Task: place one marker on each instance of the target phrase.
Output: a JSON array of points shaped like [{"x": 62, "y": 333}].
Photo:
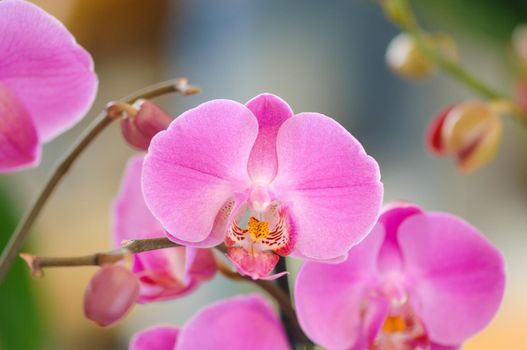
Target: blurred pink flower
[
  {"x": 302, "y": 184},
  {"x": 418, "y": 281},
  {"x": 47, "y": 83},
  {"x": 238, "y": 323},
  {"x": 165, "y": 273}
]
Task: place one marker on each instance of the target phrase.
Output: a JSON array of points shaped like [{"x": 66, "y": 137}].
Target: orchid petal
[
  {"x": 390, "y": 258},
  {"x": 196, "y": 166},
  {"x": 329, "y": 297},
  {"x": 333, "y": 185},
  {"x": 110, "y": 294},
  {"x": 200, "y": 264},
  {"x": 164, "y": 273},
  {"x": 19, "y": 146},
  {"x": 131, "y": 217},
  {"x": 271, "y": 111},
  {"x": 155, "y": 338},
  {"x": 238, "y": 323},
  {"x": 44, "y": 67},
  {"x": 441, "y": 347},
  {"x": 257, "y": 264},
  {"x": 455, "y": 276}
]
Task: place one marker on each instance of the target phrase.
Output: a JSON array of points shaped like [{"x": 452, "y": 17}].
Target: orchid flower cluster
[
  {"x": 468, "y": 131},
  {"x": 259, "y": 183}
]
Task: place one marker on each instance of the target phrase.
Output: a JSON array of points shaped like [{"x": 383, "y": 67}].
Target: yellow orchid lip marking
[
  {"x": 258, "y": 230},
  {"x": 394, "y": 324}
]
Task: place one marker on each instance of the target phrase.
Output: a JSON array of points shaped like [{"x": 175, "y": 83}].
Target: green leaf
[{"x": 20, "y": 324}]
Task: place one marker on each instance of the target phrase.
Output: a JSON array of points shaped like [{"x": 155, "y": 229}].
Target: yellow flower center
[
  {"x": 394, "y": 324},
  {"x": 258, "y": 229}
]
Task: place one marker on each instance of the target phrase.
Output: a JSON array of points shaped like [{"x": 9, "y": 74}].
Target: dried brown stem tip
[{"x": 183, "y": 88}]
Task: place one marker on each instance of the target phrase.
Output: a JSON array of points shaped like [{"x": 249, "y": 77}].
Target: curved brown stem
[
  {"x": 62, "y": 167},
  {"x": 38, "y": 263}
]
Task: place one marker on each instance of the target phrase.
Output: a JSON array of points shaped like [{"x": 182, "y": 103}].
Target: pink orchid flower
[
  {"x": 264, "y": 181},
  {"x": 47, "y": 82},
  {"x": 238, "y": 323},
  {"x": 164, "y": 273},
  {"x": 420, "y": 280},
  {"x": 156, "y": 275}
]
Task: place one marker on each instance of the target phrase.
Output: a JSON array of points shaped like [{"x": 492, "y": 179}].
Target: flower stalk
[
  {"x": 61, "y": 169},
  {"x": 38, "y": 263}
]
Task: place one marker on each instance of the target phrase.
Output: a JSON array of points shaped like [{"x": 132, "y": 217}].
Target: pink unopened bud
[
  {"x": 139, "y": 129},
  {"x": 111, "y": 293},
  {"x": 521, "y": 95},
  {"x": 405, "y": 57},
  {"x": 470, "y": 131}
]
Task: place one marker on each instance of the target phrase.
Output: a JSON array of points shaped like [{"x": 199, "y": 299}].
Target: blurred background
[{"x": 319, "y": 56}]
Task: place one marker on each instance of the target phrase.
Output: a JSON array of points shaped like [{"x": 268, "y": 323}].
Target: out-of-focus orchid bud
[
  {"x": 519, "y": 43},
  {"x": 405, "y": 58},
  {"x": 470, "y": 132},
  {"x": 112, "y": 291},
  {"x": 142, "y": 122},
  {"x": 521, "y": 95}
]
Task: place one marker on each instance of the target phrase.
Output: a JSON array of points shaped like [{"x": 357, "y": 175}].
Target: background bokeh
[{"x": 319, "y": 56}]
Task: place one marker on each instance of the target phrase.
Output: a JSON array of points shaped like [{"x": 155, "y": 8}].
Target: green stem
[{"x": 400, "y": 12}]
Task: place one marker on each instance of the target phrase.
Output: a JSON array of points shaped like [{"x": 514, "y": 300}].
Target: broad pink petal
[
  {"x": 330, "y": 298},
  {"x": 196, "y": 166},
  {"x": 333, "y": 185},
  {"x": 441, "y": 347},
  {"x": 110, "y": 294},
  {"x": 155, "y": 338},
  {"x": 131, "y": 217},
  {"x": 271, "y": 111},
  {"x": 455, "y": 276},
  {"x": 239, "y": 323},
  {"x": 44, "y": 67},
  {"x": 19, "y": 146},
  {"x": 258, "y": 265}
]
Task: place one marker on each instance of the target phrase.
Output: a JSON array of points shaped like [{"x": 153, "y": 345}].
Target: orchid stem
[
  {"x": 38, "y": 263},
  {"x": 96, "y": 127},
  {"x": 293, "y": 330}
]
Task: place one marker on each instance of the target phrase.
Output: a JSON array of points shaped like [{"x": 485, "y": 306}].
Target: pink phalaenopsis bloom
[
  {"x": 238, "y": 323},
  {"x": 163, "y": 273},
  {"x": 159, "y": 274},
  {"x": 47, "y": 82},
  {"x": 262, "y": 180},
  {"x": 420, "y": 280}
]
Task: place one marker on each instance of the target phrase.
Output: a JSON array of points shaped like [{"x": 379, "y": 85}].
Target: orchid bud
[
  {"x": 521, "y": 95},
  {"x": 139, "y": 129},
  {"x": 111, "y": 293},
  {"x": 405, "y": 58},
  {"x": 470, "y": 131},
  {"x": 519, "y": 43}
]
